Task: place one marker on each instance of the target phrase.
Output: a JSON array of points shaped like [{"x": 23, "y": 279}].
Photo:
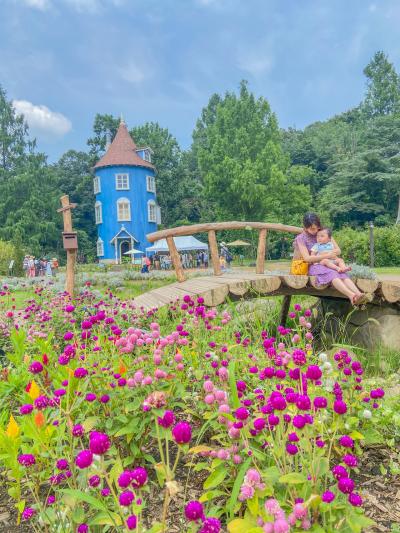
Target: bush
[
  {"x": 355, "y": 245},
  {"x": 7, "y": 253}
]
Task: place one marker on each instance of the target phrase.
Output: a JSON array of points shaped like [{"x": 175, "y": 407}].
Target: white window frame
[
  {"x": 100, "y": 247},
  {"x": 158, "y": 214},
  {"x": 98, "y": 212},
  {"x": 151, "y": 183},
  {"x": 122, "y": 182},
  {"x": 152, "y": 211},
  {"x": 126, "y": 217},
  {"x": 96, "y": 185},
  {"x": 147, "y": 155}
]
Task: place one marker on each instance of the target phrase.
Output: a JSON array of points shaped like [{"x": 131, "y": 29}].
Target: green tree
[
  {"x": 383, "y": 87},
  {"x": 243, "y": 167},
  {"x": 104, "y": 130}
]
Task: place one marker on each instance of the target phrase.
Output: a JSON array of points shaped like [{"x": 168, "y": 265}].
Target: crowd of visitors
[
  {"x": 34, "y": 267},
  {"x": 164, "y": 261}
]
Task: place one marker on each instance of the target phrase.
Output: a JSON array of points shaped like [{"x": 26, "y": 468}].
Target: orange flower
[
  {"x": 39, "y": 419},
  {"x": 122, "y": 368}
]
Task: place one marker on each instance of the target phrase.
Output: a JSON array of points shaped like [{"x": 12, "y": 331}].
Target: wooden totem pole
[{"x": 70, "y": 242}]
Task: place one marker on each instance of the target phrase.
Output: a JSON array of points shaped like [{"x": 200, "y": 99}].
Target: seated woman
[{"x": 303, "y": 244}]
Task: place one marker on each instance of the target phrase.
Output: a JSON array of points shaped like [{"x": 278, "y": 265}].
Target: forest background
[{"x": 240, "y": 166}]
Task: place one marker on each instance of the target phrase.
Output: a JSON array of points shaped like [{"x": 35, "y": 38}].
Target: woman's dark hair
[{"x": 310, "y": 219}]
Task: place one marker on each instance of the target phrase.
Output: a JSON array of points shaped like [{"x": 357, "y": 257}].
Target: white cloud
[
  {"x": 41, "y": 120},
  {"x": 132, "y": 73},
  {"x": 42, "y": 5},
  {"x": 255, "y": 65}
]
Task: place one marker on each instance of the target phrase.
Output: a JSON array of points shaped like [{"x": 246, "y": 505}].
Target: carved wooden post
[
  {"x": 285, "y": 309},
  {"x": 262, "y": 245},
  {"x": 212, "y": 241},
  {"x": 176, "y": 260},
  {"x": 70, "y": 243}
]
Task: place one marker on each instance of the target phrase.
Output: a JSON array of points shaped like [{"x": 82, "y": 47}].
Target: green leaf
[
  {"x": 252, "y": 505},
  {"x": 358, "y": 522},
  {"x": 293, "y": 478},
  {"x": 236, "y": 486},
  {"x": 242, "y": 525},
  {"x": 271, "y": 474},
  {"x": 232, "y": 385},
  {"x": 90, "y": 423},
  {"x": 210, "y": 495},
  {"x": 256, "y": 530},
  {"x": 106, "y": 519},
  {"x": 83, "y": 497},
  {"x": 215, "y": 478}
]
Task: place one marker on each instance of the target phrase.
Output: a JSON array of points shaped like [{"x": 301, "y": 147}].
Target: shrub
[{"x": 7, "y": 253}]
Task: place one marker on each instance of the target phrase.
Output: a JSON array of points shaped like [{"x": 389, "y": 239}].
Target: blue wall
[{"x": 138, "y": 195}]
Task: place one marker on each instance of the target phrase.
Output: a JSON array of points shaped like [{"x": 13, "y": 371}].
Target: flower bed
[{"x": 107, "y": 405}]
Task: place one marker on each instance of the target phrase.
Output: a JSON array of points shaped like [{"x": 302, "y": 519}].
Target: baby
[{"x": 324, "y": 244}]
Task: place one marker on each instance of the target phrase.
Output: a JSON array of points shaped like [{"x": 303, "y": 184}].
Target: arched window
[
  {"x": 152, "y": 211},
  {"x": 100, "y": 247},
  {"x": 151, "y": 183},
  {"x": 123, "y": 210},
  {"x": 98, "y": 213}
]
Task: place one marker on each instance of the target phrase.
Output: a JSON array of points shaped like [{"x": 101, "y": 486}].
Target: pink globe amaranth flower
[
  {"x": 306, "y": 523},
  {"x": 355, "y": 499},
  {"x": 131, "y": 522},
  {"x": 26, "y": 409},
  {"x": 26, "y": 459},
  {"x": 78, "y": 430},
  {"x": 291, "y": 449},
  {"x": 350, "y": 460},
  {"x": 299, "y": 511},
  {"x": 84, "y": 459},
  {"x": 80, "y": 372},
  {"x": 35, "y": 367},
  {"x": 126, "y": 498},
  {"x": 82, "y": 528},
  {"x": 273, "y": 420},
  {"x": 27, "y": 513},
  {"x": 328, "y": 496},
  {"x": 194, "y": 511},
  {"x": 94, "y": 481},
  {"x": 346, "y": 441},
  {"x": 253, "y": 476},
  {"x": 268, "y": 527},
  {"x": 346, "y": 485},
  {"x": 210, "y": 525},
  {"x": 125, "y": 479},
  {"x": 139, "y": 476},
  {"x": 182, "y": 433},
  {"x": 99, "y": 443},
  {"x": 272, "y": 506},
  {"x": 281, "y": 526},
  {"x": 339, "y": 407},
  {"x": 313, "y": 372},
  {"x": 246, "y": 492},
  {"x": 339, "y": 471},
  {"x": 62, "y": 464}
]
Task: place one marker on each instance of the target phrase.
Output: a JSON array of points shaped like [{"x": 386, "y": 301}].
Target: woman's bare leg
[
  {"x": 344, "y": 289},
  {"x": 352, "y": 286}
]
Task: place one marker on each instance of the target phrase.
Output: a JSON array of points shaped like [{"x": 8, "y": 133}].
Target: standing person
[
  {"x": 25, "y": 265},
  {"x": 49, "y": 273},
  {"x": 205, "y": 259},
  {"x": 31, "y": 265},
  {"x": 304, "y": 263},
  {"x": 145, "y": 268},
  {"x": 54, "y": 265}
]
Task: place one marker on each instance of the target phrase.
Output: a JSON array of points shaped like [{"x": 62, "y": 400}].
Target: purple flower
[
  {"x": 126, "y": 498},
  {"x": 328, "y": 496},
  {"x": 339, "y": 471},
  {"x": 26, "y": 409},
  {"x": 339, "y": 407},
  {"x": 303, "y": 402},
  {"x": 90, "y": 397},
  {"x": 293, "y": 437},
  {"x": 299, "y": 421},
  {"x": 346, "y": 441},
  {"x": 210, "y": 525},
  {"x": 69, "y": 308},
  {"x": 313, "y": 372},
  {"x": 299, "y": 357},
  {"x": 259, "y": 424},
  {"x": 99, "y": 443},
  {"x": 27, "y": 513},
  {"x": 41, "y": 402},
  {"x": 182, "y": 432},
  {"x": 35, "y": 367},
  {"x": 125, "y": 479},
  {"x": 26, "y": 459},
  {"x": 377, "y": 393},
  {"x": 320, "y": 402},
  {"x": 167, "y": 419},
  {"x": 355, "y": 499},
  {"x": 242, "y": 413},
  {"x": 84, "y": 459},
  {"x": 194, "y": 510},
  {"x": 78, "y": 430},
  {"x": 80, "y": 372},
  {"x": 62, "y": 464},
  {"x": 68, "y": 335},
  {"x": 139, "y": 476},
  {"x": 105, "y": 398},
  {"x": 59, "y": 392},
  {"x": 350, "y": 460},
  {"x": 82, "y": 528},
  {"x": 50, "y": 500},
  {"x": 291, "y": 449},
  {"x": 131, "y": 522},
  {"x": 346, "y": 485},
  {"x": 105, "y": 492},
  {"x": 278, "y": 402},
  {"x": 94, "y": 481}
]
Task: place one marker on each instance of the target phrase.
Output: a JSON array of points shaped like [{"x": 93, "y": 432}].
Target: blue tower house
[{"x": 126, "y": 206}]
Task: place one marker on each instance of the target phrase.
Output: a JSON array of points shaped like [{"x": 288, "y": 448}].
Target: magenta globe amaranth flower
[
  {"x": 194, "y": 510},
  {"x": 346, "y": 485},
  {"x": 94, "y": 481},
  {"x": 78, "y": 430},
  {"x": 346, "y": 441},
  {"x": 82, "y": 528},
  {"x": 313, "y": 372},
  {"x": 350, "y": 460},
  {"x": 27, "y": 513},
  {"x": 99, "y": 443},
  {"x": 355, "y": 499},
  {"x": 26, "y": 409},
  {"x": 291, "y": 449},
  {"x": 35, "y": 367},
  {"x": 131, "y": 522},
  {"x": 328, "y": 496},
  {"x": 167, "y": 419},
  {"x": 26, "y": 459},
  {"x": 182, "y": 432},
  {"x": 80, "y": 372},
  {"x": 210, "y": 525},
  {"x": 138, "y": 477},
  {"x": 339, "y": 471},
  {"x": 62, "y": 464},
  {"x": 339, "y": 407},
  {"x": 84, "y": 459},
  {"x": 126, "y": 498},
  {"x": 242, "y": 413}
]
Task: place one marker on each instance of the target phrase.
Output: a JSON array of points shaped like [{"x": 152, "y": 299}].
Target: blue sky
[{"x": 62, "y": 61}]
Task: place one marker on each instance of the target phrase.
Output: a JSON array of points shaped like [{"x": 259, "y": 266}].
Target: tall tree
[
  {"x": 245, "y": 172},
  {"x": 104, "y": 130},
  {"x": 383, "y": 87}
]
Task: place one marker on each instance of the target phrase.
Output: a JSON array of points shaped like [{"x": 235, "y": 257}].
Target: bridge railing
[{"x": 211, "y": 229}]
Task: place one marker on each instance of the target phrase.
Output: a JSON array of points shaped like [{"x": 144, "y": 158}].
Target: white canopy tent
[
  {"x": 133, "y": 252},
  {"x": 182, "y": 244}
]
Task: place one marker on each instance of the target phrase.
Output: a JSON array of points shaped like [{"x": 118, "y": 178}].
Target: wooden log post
[
  {"x": 212, "y": 241},
  {"x": 262, "y": 245},
  {"x": 71, "y": 252},
  {"x": 285, "y": 309},
  {"x": 176, "y": 260}
]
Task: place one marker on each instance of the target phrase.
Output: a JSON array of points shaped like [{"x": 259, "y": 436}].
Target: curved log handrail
[{"x": 211, "y": 228}]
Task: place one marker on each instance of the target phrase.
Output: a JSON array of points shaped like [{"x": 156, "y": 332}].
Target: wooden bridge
[{"x": 238, "y": 284}]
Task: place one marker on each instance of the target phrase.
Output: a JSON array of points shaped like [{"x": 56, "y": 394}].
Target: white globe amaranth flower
[
  {"x": 366, "y": 414},
  {"x": 326, "y": 367},
  {"x": 323, "y": 357}
]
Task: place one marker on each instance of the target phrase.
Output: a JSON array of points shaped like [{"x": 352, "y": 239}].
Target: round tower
[{"x": 126, "y": 206}]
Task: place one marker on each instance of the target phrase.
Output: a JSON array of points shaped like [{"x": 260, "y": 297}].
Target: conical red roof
[{"x": 122, "y": 151}]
